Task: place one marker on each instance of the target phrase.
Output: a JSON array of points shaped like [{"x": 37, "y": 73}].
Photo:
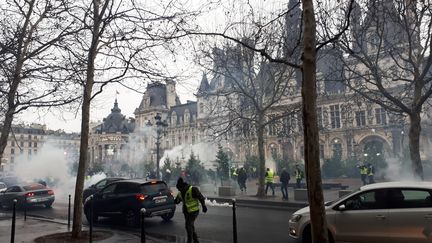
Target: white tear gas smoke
[
  {"x": 214, "y": 203},
  {"x": 135, "y": 153},
  {"x": 396, "y": 170},
  {"x": 270, "y": 163},
  {"x": 94, "y": 179},
  {"x": 206, "y": 152},
  {"x": 50, "y": 164}
]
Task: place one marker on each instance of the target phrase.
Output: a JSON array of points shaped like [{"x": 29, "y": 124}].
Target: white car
[
  {"x": 3, "y": 187},
  {"x": 388, "y": 212}
]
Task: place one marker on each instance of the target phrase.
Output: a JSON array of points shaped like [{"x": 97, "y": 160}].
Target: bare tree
[
  {"x": 246, "y": 98},
  {"x": 121, "y": 42},
  {"x": 390, "y": 61},
  {"x": 305, "y": 43},
  {"x": 32, "y": 70}
]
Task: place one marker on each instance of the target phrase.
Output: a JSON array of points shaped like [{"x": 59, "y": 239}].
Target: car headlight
[{"x": 296, "y": 217}]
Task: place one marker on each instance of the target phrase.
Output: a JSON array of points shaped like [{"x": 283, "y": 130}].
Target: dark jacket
[
  {"x": 242, "y": 176},
  {"x": 284, "y": 177}
]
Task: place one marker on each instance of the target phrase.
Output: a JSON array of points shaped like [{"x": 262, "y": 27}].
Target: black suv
[
  {"x": 128, "y": 197},
  {"x": 99, "y": 185}
]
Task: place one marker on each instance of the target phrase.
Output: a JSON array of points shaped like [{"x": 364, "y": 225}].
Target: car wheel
[
  {"x": 87, "y": 214},
  {"x": 168, "y": 216},
  {"x": 307, "y": 235},
  {"x": 330, "y": 236},
  {"x": 131, "y": 217}
]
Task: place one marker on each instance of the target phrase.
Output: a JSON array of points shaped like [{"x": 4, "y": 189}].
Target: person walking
[
  {"x": 363, "y": 173},
  {"x": 241, "y": 179},
  {"x": 269, "y": 181},
  {"x": 299, "y": 175},
  {"x": 370, "y": 173},
  {"x": 191, "y": 198},
  {"x": 284, "y": 179}
]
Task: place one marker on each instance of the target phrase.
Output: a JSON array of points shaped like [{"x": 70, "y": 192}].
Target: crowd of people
[
  {"x": 241, "y": 176},
  {"x": 367, "y": 172}
]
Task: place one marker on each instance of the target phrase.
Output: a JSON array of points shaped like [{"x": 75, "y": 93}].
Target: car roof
[
  {"x": 394, "y": 184},
  {"x": 139, "y": 181}
]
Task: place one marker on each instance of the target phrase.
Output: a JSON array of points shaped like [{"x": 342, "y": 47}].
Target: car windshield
[
  {"x": 153, "y": 188},
  {"x": 33, "y": 187}
]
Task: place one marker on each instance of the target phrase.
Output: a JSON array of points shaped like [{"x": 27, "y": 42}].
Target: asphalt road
[{"x": 253, "y": 224}]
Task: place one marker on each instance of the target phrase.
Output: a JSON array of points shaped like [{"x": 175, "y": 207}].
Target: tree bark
[
  {"x": 16, "y": 80},
  {"x": 311, "y": 133},
  {"x": 414, "y": 144},
  {"x": 261, "y": 156},
  {"x": 79, "y": 185}
]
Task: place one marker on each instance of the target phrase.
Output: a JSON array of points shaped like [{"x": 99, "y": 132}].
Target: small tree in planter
[
  {"x": 195, "y": 170},
  {"x": 222, "y": 161}
]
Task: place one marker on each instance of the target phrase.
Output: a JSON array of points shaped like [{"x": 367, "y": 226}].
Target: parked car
[
  {"x": 127, "y": 197},
  {"x": 3, "y": 187},
  {"x": 27, "y": 194},
  {"x": 92, "y": 189},
  {"x": 396, "y": 212}
]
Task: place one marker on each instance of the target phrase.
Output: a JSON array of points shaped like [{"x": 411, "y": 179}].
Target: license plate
[{"x": 161, "y": 200}]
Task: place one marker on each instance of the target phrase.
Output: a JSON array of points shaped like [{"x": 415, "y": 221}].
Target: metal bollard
[
  {"x": 13, "y": 221},
  {"x": 234, "y": 221},
  {"x": 69, "y": 211},
  {"x": 143, "y": 211},
  {"x": 91, "y": 219},
  {"x": 25, "y": 211}
]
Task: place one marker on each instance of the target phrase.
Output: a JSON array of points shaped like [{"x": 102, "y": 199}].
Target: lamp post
[{"x": 160, "y": 132}]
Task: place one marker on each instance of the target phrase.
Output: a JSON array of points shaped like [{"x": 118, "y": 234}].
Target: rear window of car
[
  {"x": 153, "y": 188},
  {"x": 33, "y": 187}
]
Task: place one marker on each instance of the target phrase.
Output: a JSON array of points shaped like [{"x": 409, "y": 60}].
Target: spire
[
  {"x": 293, "y": 29},
  {"x": 204, "y": 85},
  {"x": 115, "y": 109},
  {"x": 384, "y": 15},
  {"x": 356, "y": 26}
]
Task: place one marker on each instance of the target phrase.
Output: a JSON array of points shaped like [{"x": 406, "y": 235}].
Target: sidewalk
[{"x": 32, "y": 228}]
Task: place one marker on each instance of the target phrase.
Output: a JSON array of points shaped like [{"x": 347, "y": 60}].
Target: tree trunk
[
  {"x": 414, "y": 144},
  {"x": 261, "y": 157},
  {"x": 311, "y": 132},
  {"x": 7, "y": 124},
  {"x": 79, "y": 185}
]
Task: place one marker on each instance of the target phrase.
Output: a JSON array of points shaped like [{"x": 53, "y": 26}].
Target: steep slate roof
[
  {"x": 180, "y": 111},
  {"x": 156, "y": 93},
  {"x": 115, "y": 122},
  {"x": 204, "y": 85}
]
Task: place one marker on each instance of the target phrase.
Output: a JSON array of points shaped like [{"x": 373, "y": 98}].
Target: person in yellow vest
[
  {"x": 363, "y": 173},
  {"x": 269, "y": 180},
  {"x": 299, "y": 175},
  {"x": 191, "y": 198}
]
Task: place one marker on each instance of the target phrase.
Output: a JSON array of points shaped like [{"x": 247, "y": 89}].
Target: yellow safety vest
[
  {"x": 370, "y": 171},
  {"x": 364, "y": 171},
  {"x": 298, "y": 174},
  {"x": 192, "y": 204},
  {"x": 269, "y": 177}
]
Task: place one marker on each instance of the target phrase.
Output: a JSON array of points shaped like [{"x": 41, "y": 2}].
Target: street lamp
[{"x": 160, "y": 132}]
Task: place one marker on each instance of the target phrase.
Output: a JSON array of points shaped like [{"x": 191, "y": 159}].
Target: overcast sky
[
  {"x": 190, "y": 74},
  {"x": 129, "y": 100}
]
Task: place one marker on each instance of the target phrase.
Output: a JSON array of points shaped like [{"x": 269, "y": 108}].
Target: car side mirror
[{"x": 341, "y": 207}]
